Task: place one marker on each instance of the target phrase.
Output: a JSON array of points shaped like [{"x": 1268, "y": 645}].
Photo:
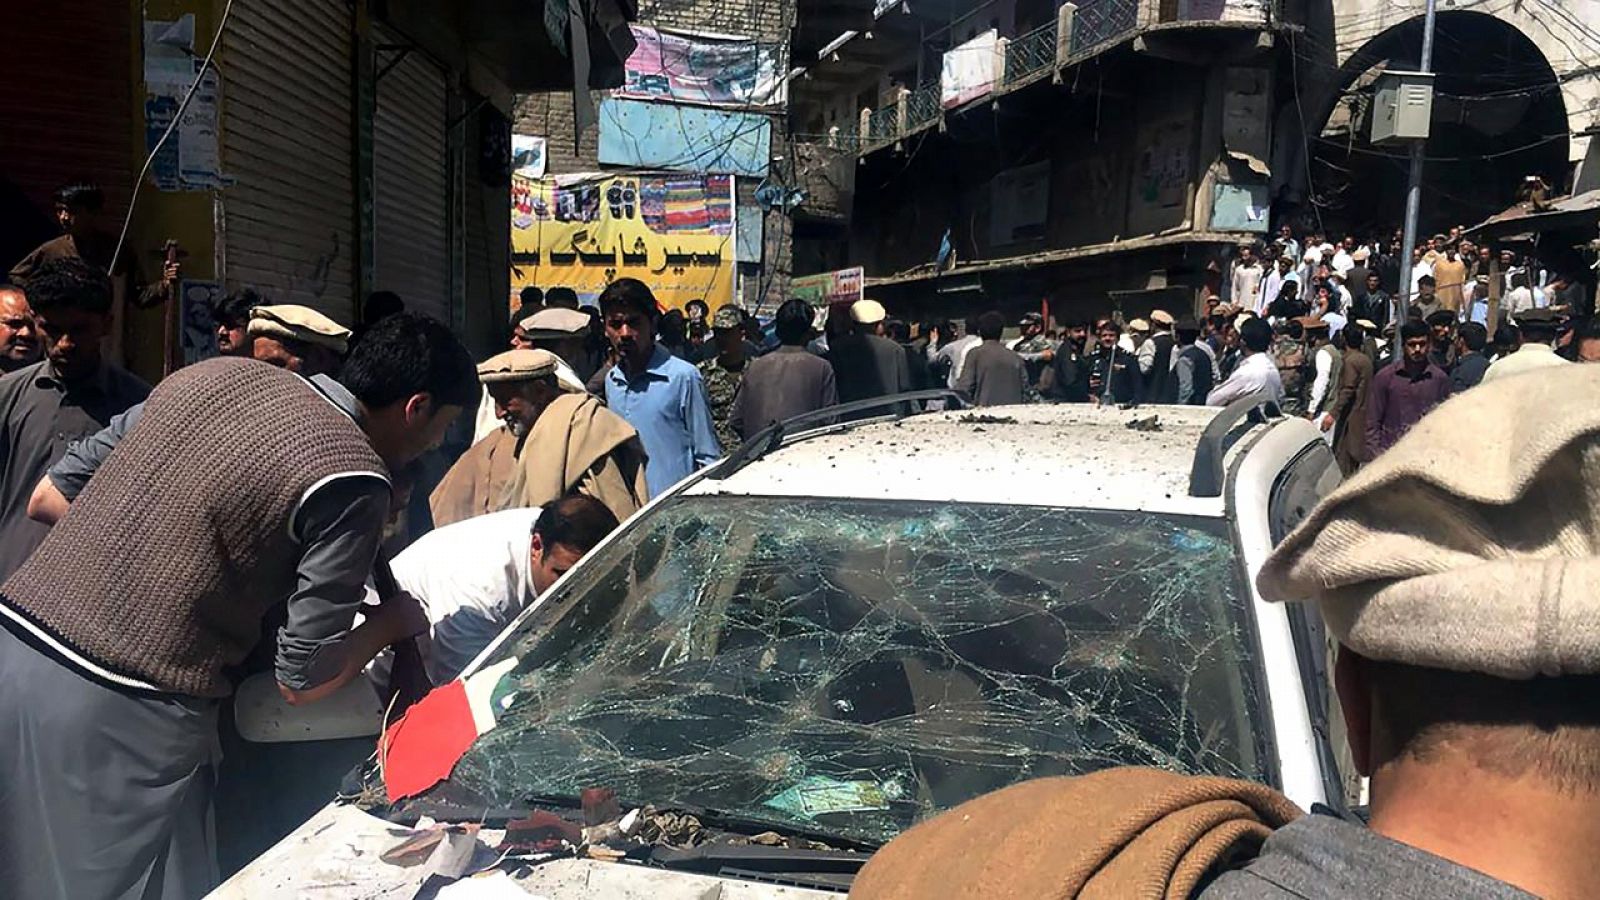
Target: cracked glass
[{"x": 852, "y": 667}]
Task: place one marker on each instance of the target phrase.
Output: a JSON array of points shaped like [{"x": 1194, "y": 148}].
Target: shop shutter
[
  {"x": 68, "y": 108},
  {"x": 411, "y": 235},
  {"x": 289, "y": 216}
]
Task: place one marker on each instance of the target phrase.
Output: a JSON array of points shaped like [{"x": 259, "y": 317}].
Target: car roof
[{"x": 1063, "y": 455}]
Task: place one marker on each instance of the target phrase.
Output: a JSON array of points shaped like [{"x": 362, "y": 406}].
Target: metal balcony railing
[
  {"x": 922, "y": 106},
  {"x": 1030, "y": 54},
  {"x": 883, "y": 124},
  {"x": 1099, "y": 21}
]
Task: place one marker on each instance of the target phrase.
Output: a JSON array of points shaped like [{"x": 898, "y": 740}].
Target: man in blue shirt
[{"x": 660, "y": 395}]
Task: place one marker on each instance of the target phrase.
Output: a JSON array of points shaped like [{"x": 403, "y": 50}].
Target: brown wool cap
[
  {"x": 555, "y": 324},
  {"x": 298, "y": 323},
  {"x": 519, "y": 365},
  {"x": 1472, "y": 544}
]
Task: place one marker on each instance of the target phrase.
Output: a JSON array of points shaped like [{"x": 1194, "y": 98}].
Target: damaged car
[{"x": 844, "y": 628}]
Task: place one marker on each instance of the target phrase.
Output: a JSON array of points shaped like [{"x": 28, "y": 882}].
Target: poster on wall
[
  {"x": 528, "y": 155},
  {"x": 189, "y": 160},
  {"x": 828, "y": 288},
  {"x": 687, "y": 68},
  {"x": 676, "y": 233},
  {"x": 1161, "y": 174},
  {"x": 643, "y": 135},
  {"x": 196, "y": 300},
  {"x": 970, "y": 71}
]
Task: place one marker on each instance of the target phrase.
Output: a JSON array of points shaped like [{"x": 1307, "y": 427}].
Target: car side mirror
[{"x": 262, "y": 716}]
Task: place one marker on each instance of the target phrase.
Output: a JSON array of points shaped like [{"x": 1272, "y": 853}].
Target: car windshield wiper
[{"x": 823, "y": 869}]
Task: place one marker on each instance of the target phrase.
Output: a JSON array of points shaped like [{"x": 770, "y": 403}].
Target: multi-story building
[{"x": 1112, "y": 154}]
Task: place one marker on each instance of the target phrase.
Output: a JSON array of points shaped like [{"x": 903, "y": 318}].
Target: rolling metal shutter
[
  {"x": 288, "y": 143},
  {"x": 411, "y": 236},
  {"x": 68, "y": 107}
]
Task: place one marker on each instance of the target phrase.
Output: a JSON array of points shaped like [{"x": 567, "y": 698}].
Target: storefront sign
[
  {"x": 828, "y": 288},
  {"x": 673, "y": 232}
]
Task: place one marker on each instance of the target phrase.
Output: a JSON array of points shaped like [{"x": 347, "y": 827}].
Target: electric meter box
[{"x": 1402, "y": 107}]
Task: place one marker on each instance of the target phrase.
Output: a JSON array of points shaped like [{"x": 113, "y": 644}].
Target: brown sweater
[{"x": 164, "y": 566}]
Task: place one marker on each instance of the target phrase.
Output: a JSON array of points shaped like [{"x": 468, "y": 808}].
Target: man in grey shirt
[
  {"x": 993, "y": 375},
  {"x": 69, "y": 395},
  {"x": 787, "y": 382}
]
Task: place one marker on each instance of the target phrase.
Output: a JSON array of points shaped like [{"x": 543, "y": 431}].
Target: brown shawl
[
  {"x": 1113, "y": 834},
  {"x": 478, "y": 482},
  {"x": 579, "y": 445}
]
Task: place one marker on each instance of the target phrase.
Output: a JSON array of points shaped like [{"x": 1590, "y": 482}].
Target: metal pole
[{"x": 1408, "y": 241}]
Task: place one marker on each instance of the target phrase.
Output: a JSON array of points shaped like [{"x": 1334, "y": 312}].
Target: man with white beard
[{"x": 557, "y": 440}]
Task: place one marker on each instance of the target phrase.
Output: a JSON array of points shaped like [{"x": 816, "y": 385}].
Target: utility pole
[{"x": 1408, "y": 241}]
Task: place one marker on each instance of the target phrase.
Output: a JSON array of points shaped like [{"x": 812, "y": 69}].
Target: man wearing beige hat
[
  {"x": 557, "y": 439},
  {"x": 1459, "y": 577},
  {"x": 555, "y": 329},
  {"x": 297, "y": 338},
  {"x": 865, "y": 363},
  {"x": 1155, "y": 360}
]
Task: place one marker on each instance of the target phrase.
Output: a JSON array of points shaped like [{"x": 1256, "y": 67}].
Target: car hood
[{"x": 336, "y": 854}]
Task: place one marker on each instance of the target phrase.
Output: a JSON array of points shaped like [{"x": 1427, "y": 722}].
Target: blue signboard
[{"x": 646, "y": 135}]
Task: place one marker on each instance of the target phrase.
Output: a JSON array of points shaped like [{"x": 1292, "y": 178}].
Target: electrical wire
[
  {"x": 1305, "y": 137},
  {"x": 138, "y": 183}
]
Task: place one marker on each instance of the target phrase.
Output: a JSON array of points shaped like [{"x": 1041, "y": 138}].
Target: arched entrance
[{"x": 1498, "y": 116}]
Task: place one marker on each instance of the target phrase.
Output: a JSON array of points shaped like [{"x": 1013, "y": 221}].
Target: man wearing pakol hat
[
  {"x": 558, "y": 330},
  {"x": 724, "y": 370},
  {"x": 288, "y": 336},
  {"x": 297, "y": 338},
  {"x": 865, "y": 363},
  {"x": 1155, "y": 360},
  {"x": 1138, "y": 331},
  {"x": 1457, "y": 573},
  {"x": 1327, "y": 366},
  {"x": 556, "y": 440},
  {"x": 1538, "y": 328}
]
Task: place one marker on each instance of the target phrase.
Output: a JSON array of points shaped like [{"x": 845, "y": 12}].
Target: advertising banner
[
  {"x": 970, "y": 71},
  {"x": 843, "y": 286},
  {"x": 673, "y": 232},
  {"x": 694, "y": 69}
]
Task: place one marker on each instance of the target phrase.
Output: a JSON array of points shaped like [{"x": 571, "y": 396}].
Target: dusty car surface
[{"x": 842, "y": 630}]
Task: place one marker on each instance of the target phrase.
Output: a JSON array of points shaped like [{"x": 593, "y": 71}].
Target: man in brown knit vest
[{"x": 117, "y": 630}]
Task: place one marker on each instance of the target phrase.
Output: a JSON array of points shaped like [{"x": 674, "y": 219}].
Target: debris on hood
[
  {"x": 670, "y": 828},
  {"x": 1144, "y": 423},
  {"x": 986, "y": 419}
]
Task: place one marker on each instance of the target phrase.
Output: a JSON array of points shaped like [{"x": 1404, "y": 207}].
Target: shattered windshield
[{"x": 850, "y": 668}]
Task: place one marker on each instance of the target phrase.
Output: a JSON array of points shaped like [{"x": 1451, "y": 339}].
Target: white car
[{"x": 838, "y": 632}]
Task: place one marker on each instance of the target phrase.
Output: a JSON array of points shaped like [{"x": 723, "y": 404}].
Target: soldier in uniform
[
  {"x": 1037, "y": 352},
  {"x": 725, "y": 371}
]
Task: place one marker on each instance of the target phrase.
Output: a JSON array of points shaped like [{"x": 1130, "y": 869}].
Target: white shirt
[
  {"x": 1519, "y": 300},
  {"x": 472, "y": 578},
  {"x": 1527, "y": 358},
  {"x": 1255, "y": 374},
  {"x": 1247, "y": 284},
  {"x": 1336, "y": 322},
  {"x": 1342, "y": 262},
  {"x": 1323, "y": 361},
  {"x": 956, "y": 352},
  {"x": 1417, "y": 271}
]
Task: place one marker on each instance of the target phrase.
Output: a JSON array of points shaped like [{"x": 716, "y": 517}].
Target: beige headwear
[
  {"x": 1472, "y": 544},
  {"x": 520, "y": 365},
  {"x": 868, "y": 312},
  {"x": 1161, "y": 317},
  {"x": 293, "y": 322},
  {"x": 554, "y": 323},
  {"x": 1139, "y": 325}
]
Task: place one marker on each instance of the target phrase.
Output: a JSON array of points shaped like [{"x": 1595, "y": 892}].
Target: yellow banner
[{"x": 675, "y": 233}]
